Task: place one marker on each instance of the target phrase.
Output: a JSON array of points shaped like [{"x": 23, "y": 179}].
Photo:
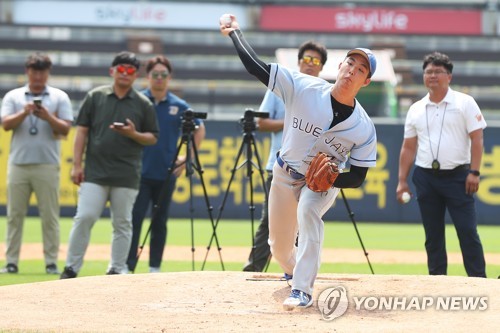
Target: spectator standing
[
  {"x": 115, "y": 122},
  {"x": 156, "y": 161},
  {"x": 312, "y": 57},
  {"x": 37, "y": 114},
  {"x": 444, "y": 137}
]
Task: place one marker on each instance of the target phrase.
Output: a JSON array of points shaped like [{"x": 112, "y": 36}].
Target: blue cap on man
[{"x": 369, "y": 56}]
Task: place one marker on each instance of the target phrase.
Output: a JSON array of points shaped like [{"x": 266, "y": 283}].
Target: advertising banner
[
  {"x": 132, "y": 14},
  {"x": 372, "y": 20},
  {"x": 374, "y": 201}
]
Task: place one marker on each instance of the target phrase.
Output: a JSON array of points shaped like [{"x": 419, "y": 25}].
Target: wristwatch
[{"x": 475, "y": 172}]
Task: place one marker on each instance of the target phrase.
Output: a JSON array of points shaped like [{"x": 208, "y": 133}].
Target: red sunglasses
[{"x": 125, "y": 69}]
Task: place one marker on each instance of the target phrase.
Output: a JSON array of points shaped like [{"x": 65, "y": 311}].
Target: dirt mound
[{"x": 239, "y": 301}]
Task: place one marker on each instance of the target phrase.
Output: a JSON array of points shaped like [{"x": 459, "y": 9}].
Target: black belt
[
  {"x": 294, "y": 174},
  {"x": 447, "y": 172}
]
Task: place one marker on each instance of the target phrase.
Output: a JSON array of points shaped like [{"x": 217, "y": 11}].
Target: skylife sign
[
  {"x": 133, "y": 14},
  {"x": 374, "y": 20}
]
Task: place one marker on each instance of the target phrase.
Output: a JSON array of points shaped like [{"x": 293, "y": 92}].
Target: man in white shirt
[
  {"x": 444, "y": 137},
  {"x": 38, "y": 115}
]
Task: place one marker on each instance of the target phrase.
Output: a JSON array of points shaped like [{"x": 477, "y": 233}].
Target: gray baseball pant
[{"x": 91, "y": 202}]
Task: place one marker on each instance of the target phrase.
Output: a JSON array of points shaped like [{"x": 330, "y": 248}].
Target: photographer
[
  {"x": 37, "y": 114},
  {"x": 156, "y": 160}
]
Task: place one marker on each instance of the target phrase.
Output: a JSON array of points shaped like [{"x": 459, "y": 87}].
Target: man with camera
[
  {"x": 38, "y": 115},
  {"x": 157, "y": 181}
]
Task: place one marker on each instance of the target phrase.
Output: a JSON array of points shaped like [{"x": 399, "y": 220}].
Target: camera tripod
[
  {"x": 351, "y": 215},
  {"x": 247, "y": 144},
  {"x": 188, "y": 127}
]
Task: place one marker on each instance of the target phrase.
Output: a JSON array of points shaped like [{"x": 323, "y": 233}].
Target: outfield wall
[{"x": 374, "y": 201}]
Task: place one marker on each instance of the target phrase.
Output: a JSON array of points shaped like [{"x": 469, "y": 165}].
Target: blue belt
[{"x": 294, "y": 174}]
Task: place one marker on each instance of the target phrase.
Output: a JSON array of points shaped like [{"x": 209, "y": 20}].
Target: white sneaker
[
  {"x": 297, "y": 299},
  {"x": 154, "y": 270}
]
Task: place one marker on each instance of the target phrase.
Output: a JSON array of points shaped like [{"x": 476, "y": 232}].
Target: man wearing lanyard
[
  {"x": 444, "y": 137},
  {"x": 38, "y": 116}
]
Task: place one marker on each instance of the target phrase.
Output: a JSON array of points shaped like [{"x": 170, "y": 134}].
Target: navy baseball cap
[{"x": 369, "y": 56}]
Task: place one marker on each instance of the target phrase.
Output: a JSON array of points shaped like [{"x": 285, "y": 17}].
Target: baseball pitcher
[{"x": 324, "y": 128}]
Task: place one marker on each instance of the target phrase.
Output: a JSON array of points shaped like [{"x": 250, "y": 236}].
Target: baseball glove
[{"x": 321, "y": 173}]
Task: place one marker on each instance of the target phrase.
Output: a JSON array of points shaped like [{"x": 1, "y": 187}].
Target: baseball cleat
[{"x": 297, "y": 299}]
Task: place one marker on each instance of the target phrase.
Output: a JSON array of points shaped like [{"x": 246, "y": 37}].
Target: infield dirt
[{"x": 233, "y": 302}]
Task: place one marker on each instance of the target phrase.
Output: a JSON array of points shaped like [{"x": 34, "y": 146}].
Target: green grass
[{"x": 380, "y": 236}]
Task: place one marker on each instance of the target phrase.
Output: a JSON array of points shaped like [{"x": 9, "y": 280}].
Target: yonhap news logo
[
  {"x": 416, "y": 303},
  {"x": 333, "y": 303}
]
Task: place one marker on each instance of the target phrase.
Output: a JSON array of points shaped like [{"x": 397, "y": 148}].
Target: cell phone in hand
[
  {"x": 118, "y": 124},
  {"x": 37, "y": 102}
]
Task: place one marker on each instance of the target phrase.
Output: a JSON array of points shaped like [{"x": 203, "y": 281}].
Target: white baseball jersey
[{"x": 306, "y": 133}]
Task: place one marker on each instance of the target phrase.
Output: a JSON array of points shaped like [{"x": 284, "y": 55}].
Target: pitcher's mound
[{"x": 251, "y": 302}]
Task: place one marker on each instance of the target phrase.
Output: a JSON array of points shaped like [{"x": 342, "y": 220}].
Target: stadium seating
[{"x": 209, "y": 75}]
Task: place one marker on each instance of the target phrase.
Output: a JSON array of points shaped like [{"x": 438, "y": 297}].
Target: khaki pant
[{"x": 22, "y": 181}]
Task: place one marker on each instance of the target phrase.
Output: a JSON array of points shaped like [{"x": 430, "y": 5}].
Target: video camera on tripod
[
  {"x": 247, "y": 122},
  {"x": 188, "y": 117},
  {"x": 192, "y": 164},
  {"x": 249, "y": 149}
]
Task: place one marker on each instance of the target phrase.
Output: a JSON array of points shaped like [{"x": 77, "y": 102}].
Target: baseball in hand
[
  {"x": 226, "y": 20},
  {"x": 406, "y": 197}
]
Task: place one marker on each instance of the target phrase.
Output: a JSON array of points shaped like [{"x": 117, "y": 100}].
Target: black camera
[
  {"x": 248, "y": 119},
  {"x": 189, "y": 114},
  {"x": 188, "y": 125},
  {"x": 250, "y": 114}
]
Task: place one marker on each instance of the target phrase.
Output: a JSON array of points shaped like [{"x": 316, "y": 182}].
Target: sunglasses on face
[
  {"x": 126, "y": 69},
  {"x": 157, "y": 75},
  {"x": 309, "y": 59}
]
